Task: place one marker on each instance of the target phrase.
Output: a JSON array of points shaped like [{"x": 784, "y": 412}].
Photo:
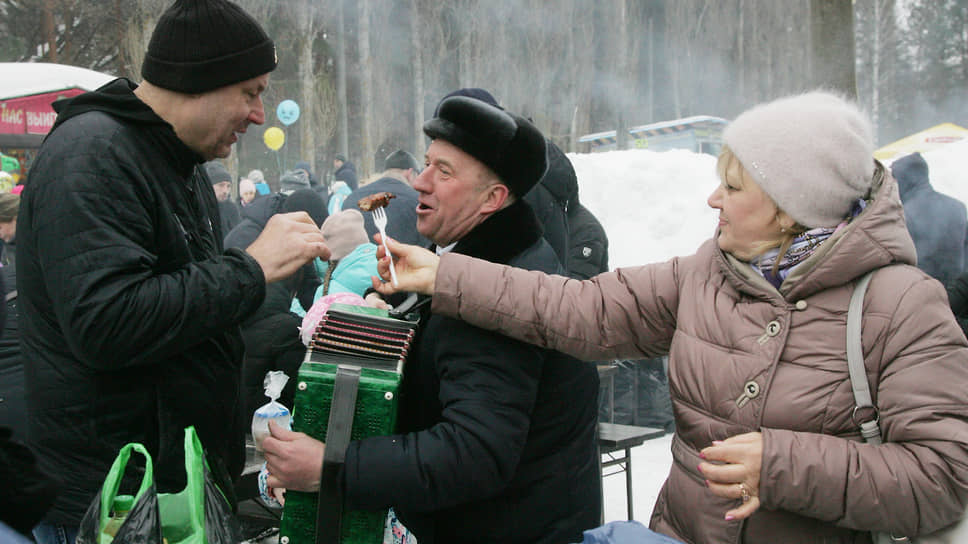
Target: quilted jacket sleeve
[
  {"x": 917, "y": 481},
  {"x": 626, "y": 313},
  {"x": 119, "y": 279}
]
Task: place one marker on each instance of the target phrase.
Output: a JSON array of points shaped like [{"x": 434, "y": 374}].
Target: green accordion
[{"x": 347, "y": 389}]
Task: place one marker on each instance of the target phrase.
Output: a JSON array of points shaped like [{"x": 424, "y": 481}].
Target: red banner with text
[{"x": 31, "y": 114}]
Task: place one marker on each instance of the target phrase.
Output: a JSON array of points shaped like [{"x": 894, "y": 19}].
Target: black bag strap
[{"x": 329, "y": 512}]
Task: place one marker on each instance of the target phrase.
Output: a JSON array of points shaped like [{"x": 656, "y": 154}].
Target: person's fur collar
[{"x": 503, "y": 235}]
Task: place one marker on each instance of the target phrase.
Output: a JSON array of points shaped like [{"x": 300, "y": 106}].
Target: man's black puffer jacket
[
  {"x": 497, "y": 438},
  {"x": 129, "y": 305}
]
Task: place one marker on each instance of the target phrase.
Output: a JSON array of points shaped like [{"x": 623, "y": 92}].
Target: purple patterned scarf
[{"x": 803, "y": 246}]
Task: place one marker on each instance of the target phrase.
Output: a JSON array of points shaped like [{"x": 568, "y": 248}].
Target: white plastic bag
[{"x": 273, "y": 411}]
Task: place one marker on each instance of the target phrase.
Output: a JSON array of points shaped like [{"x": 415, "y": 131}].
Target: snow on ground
[{"x": 650, "y": 466}]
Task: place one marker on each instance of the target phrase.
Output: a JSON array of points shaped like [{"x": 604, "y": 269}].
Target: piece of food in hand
[{"x": 374, "y": 201}]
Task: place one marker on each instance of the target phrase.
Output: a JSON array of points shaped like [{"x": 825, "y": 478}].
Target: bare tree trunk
[
  {"x": 876, "y": 66},
  {"x": 344, "y": 125},
  {"x": 50, "y": 36},
  {"x": 832, "y": 41},
  {"x": 123, "y": 65},
  {"x": 307, "y": 84},
  {"x": 622, "y": 57},
  {"x": 366, "y": 91},
  {"x": 573, "y": 132},
  {"x": 136, "y": 29},
  {"x": 650, "y": 103},
  {"x": 770, "y": 91},
  {"x": 740, "y": 59},
  {"x": 675, "y": 40},
  {"x": 416, "y": 49}
]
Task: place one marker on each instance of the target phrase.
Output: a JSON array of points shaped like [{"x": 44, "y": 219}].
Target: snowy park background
[{"x": 653, "y": 207}]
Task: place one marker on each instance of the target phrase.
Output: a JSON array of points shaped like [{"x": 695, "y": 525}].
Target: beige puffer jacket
[{"x": 746, "y": 357}]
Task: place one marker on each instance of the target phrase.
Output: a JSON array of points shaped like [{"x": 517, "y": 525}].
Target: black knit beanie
[
  {"x": 508, "y": 144},
  {"x": 402, "y": 160},
  {"x": 217, "y": 172},
  {"x": 201, "y": 45},
  {"x": 309, "y": 201}
]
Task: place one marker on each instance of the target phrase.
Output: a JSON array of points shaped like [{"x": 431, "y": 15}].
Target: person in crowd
[
  {"x": 131, "y": 305},
  {"x": 228, "y": 211},
  {"x": 381, "y": 153},
  {"x": 337, "y": 197},
  {"x": 352, "y": 259},
  {"x": 221, "y": 180},
  {"x": 549, "y": 198},
  {"x": 9, "y": 209},
  {"x": 588, "y": 249},
  {"x": 256, "y": 176},
  {"x": 246, "y": 193},
  {"x": 304, "y": 166},
  {"x": 958, "y": 300},
  {"x": 271, "y": 332},
  {"x": 938, "y": 223},
  {"x": 293, "y": 180},
  {"x": 13, "y": 412},
  {"x": 321, "y": 188},
  {"x": 767, "y": 448},
  {"x": 259, "y": 180},
  {"x": 497, "y": 439},
  {"x": 401, "y": 169},
  {"x": 29, "y": 492},
  {"x": 345, "y": 171}
]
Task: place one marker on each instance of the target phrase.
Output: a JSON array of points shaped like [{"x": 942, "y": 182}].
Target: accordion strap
[{"x": 329, "y": 511}]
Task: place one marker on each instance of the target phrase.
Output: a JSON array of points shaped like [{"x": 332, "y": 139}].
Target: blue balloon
[{"x": 287, "y": 112}]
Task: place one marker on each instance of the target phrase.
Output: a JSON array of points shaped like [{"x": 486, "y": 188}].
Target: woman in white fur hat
[{"x": 767, "y": 446}]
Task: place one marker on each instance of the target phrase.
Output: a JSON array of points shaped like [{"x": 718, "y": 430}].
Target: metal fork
[{"x": 380, "y": 219}]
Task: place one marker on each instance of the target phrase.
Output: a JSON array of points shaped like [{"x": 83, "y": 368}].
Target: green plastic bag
[{"x": 198, "y": 514}]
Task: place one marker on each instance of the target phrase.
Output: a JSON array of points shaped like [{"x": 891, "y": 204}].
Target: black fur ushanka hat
[{"x": 508, "y": 144}]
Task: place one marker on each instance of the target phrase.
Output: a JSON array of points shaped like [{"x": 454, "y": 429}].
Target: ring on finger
[{"x": 744, "y": 493}]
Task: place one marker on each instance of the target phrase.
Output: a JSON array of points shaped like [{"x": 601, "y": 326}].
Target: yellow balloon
[{"x": 274, "y": 137}]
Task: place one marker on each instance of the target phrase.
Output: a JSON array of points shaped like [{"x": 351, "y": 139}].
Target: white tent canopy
[{"x": 29, "y": 78}]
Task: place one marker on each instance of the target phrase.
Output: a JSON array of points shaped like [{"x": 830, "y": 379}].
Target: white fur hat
[{"x": 812, "y": 153}]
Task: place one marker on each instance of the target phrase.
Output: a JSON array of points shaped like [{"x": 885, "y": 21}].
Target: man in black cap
[
  {"x": 130, "y": 304},
  {"x": 550, "y": 198},
  {"x": 345, "y": 171},
  {"x": 497, "y": 439},
  {"x": 401, "y": 169},
  {"x": 221, "y": 180}
]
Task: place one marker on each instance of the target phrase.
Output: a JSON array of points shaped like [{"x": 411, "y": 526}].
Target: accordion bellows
[{"x": 368, "y": 342}]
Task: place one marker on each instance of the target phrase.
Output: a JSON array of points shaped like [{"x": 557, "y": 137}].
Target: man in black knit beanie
[{"x": 131, "y": 303}]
